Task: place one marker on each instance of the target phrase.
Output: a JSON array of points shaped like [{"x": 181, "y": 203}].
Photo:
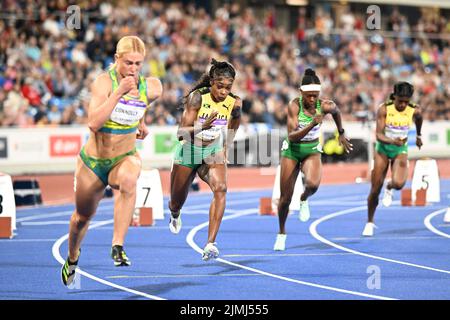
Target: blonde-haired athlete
[{"x": 118, "y": 103}]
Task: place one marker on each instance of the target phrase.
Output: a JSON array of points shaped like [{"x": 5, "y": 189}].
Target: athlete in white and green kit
[{"x": 301, "y": 149}]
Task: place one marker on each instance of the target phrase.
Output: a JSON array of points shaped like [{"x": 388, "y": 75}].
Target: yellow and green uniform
[
  {"x": 192, "y": 156},
  {"x": 124, "y": 119},
  {"x": 309, "y": 143},
  {"x": 397, "y": 126}
]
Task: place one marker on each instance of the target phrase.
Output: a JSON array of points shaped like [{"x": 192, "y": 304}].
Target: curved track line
[
  {"x": 427, "y": 222},
  {"x": 315, "y": 234},
  {"x": 190, "y": 241},
  {"x": 57, "y": 256}
]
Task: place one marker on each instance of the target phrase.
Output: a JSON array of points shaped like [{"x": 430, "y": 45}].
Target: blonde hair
[{"x": 129, "y": 44}]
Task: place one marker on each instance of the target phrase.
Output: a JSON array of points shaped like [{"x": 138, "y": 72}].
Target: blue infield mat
[{"x": 325, "y": 258}]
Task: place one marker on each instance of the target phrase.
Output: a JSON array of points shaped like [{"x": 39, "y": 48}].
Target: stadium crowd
[{"x": 46, "y": 65}]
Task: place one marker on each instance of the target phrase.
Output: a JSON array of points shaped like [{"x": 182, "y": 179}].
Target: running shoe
[
  {"x": 368, "y": 229},
  {"x": 68, "y": 271},
  {"x": 210, "y": 251},
  {"x": 280, "y": 242},
  {"x": 119, "y": 256},
  {"x": 304, "y": 211},
  {"x": 387, "y": 198},
  {"x": 175, "y": 223}
]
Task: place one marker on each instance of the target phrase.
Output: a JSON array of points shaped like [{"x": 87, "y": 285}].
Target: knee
[
  {"x": 80, "y": 218},
  {"x": 312, "y": 186},
  {"x": 284, "y": 202},
  {"x": 219, "y": 188},
  {"x": 397, "y": 185},
  {"x": 128, "y": 184}
]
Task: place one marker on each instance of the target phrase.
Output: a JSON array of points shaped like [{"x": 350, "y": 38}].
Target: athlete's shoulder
[
  {"x": 234, "y": 96},
  {"x": 413, "y": 105},
  {"x": 102, "y": 83},
  {"x": 203, "y": 90},
  {"x": 294, "y": 102},
  {"x": 327, "y": 103},
  {"x": 154, "y": 86}
]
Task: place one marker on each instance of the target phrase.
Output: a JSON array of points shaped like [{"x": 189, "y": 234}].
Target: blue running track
[{"x": 325, "y": 258}]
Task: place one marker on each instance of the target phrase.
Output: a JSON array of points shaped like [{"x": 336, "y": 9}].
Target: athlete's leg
[
  {"x": 123, "y": 177},
  {"x": 218, "y": 183},
  {"x": 180, "y": 181},
  {"x": 381, "y": 165},
  {"x": 312, "y": 169},
  {"x": 89, "y": 191},
  {"x": 289, "y": 170},
  {"x": 399, "y": 172}
]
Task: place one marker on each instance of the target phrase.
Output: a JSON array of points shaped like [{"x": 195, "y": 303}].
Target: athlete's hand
[
  {"x": 209, "y": 121},
  {"x": 345, "y": 142},
  {"x": 126, "y": 85},
  {"x": 142, "y": 132},
  {"x": 400, "y": 142},
  {"x": 317, "y": 119},
  {"x": 419, "y": 143}
]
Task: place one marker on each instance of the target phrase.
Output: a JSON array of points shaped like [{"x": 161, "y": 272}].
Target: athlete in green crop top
[
  {"x": 301, "y": 149},
  {"x": 115, "y": 119}
]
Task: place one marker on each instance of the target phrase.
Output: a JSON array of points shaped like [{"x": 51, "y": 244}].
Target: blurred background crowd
[{"x": 46, "y": 66}]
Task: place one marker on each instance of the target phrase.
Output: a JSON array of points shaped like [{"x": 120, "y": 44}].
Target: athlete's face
[
  {"x": 221, "y": 87},
  {"x": 401, "y": 102},
  {"x": 130, "y": 64},
  {"x": 310, "y": 97}
]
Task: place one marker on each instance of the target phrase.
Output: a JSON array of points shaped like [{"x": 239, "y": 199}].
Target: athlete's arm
[
  {"x": 235, "y": 121},
  {"x": 102, "y": 103},
  {"x": 418, "y": 119},
  {"x": 295, "y": 134},
  {"x": 188, "y": 126},
  {"x": 329, "y": 106},
  {"x": 154, "y": 89}
]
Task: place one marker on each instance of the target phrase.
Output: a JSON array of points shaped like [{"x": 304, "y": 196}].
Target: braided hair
[
  {"x": 402, "y": 89},
  {"x": 218, "y": 69}
]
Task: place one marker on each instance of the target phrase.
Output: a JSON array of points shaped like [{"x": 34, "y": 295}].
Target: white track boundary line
[
  {"x": 57, "y": 256},
  {"x": 427, "y": 222},
  {"x": 315, "y": 234},
  {"x": 190, "y": 241}
]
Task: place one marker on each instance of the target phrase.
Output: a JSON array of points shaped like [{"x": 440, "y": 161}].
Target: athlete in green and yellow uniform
[
  {"x": 394, "y": 119},
  {"x": 301, "y": 149},
  {"x": 117, "y": 106},
  {"x": 208, "y": 125}
]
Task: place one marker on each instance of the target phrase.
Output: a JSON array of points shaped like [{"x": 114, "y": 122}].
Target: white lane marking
[
  {"x": 315, "y": 234},
  {"x": 185, "y": 276},
  {"x": 427, "y": 222},
  {"x": 384, "y": 238},
  {"x": 45, "y": 223},
  {"x": 286, "y": 255},
  {"x": 190, "y": 241},
  {"x": 26, "y": 240},
  {"x": 57, "y": 256}
]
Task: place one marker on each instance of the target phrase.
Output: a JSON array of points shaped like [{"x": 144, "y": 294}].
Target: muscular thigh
[
  {"x": 289, "y": 170},
  {"x": 381, "y": 165},
  {"x": 400, "y": 169},
  {"x": 128, "y": 169},
  {"x": 312, "y": 168},
  {"x": 88, "y": 189}
]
